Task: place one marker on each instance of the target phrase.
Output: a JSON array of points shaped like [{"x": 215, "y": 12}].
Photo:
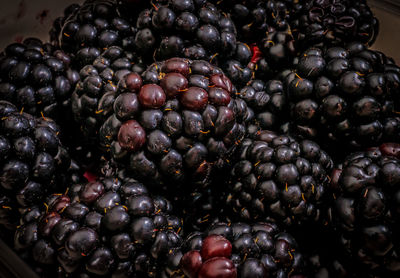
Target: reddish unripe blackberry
[{"x": 177, "y": 122}]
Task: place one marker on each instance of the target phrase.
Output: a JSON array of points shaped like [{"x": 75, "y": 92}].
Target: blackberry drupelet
[
  {"x": 280, "y": 179},
  {"x": 111, "y": 227},
  {"x": 91, "y": 28},
  {"x": 33, "y": 161},
  {"x": 326, "y": 23},
  {"x": 347, "y": 97},
  {"x": 176, "y": 124},
  {"x": 237, "y": 250},
  {"x": 37, "y": 78},
  {"x": 366, "y": 208}
]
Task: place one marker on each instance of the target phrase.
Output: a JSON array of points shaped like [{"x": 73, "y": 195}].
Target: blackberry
[
  {"x": 33, "y": 161},
  {"x": 366, "y": 208},
  {"x": 265, "y": 25},
  {"x": 195, "y": 30},
  {"x": 92, "y": 28},
  {"x": 329, "y": 23},
  {"x": 254, "y": 18},
  {"x": 103, "y": 227},
  {"x": 346, "y": 96},
  {"x": 277, "y": 178},
  {"x": 37, "y": 78},
  {"x": 175, "y": 124},
  {"x": 94, "y": 95},
  {"x": 204, "y": 30},
  {"x": 238, "y": 250}
]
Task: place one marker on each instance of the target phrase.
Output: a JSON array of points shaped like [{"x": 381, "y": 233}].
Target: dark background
[
  {"x": 24, "y": 18},
  {"x": 20, "y": 19}
]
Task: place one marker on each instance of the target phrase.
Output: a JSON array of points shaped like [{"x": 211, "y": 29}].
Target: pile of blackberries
[{"x": 202, "y": 139}]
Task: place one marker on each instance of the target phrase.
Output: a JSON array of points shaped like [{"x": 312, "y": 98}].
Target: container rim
[
  {"x": 12, "y": 264},
  {"x": 392, "y": 6}
]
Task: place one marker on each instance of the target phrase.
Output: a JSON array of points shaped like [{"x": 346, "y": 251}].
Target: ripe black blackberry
[
  {"x": 37, "y": 78},
  {"x": 176, "y": 124},
  {"x": 265, "y": 25},
  {"x": 254, "y": 18},
  {"x": 195, "y": 28},
  {"x": 277, "y": 178},
  {"x": 238, "y": 250},
  {"x": 91, "y": 28},
  {"x": 105, "y": 227},
  {"x": 366, "y": 208},
  {"x": 192, "y": 29},
  {"x": 346, "y": 96},
  {"x": 33, "y": 161},
  {"x": 329, "y": 23}
]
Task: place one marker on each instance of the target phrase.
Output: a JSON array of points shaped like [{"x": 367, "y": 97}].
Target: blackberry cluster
[
  {"x": 176, "y": 123},
  {"x": 346, "y": 96},
  {"x": 33, "y": 161},
  {"x": 37, "y": 78},
  {"x": 240, "y": 250},
  {"x": 220, "y": 107},
  {"x": 366, "y": 207},
  {"x": 111, "y": 227},
  {"x": 91, "y": 28},
  {"x": 277, "y": 177}
]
